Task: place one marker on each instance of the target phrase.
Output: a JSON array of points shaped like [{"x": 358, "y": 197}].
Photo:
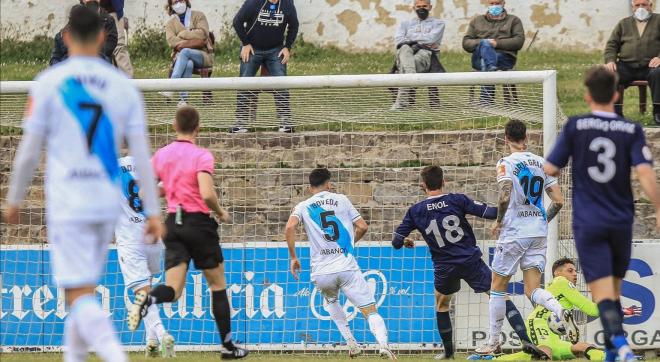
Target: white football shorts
[
  {"x": 139, "y": 263},
  {"x": 79, "y": 252},
  {"x": 350, "y": 282},
  {"x": 527, "y": 253}
]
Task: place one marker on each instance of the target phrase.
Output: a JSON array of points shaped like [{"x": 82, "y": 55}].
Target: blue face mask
[{"x": 495, "y": 10}]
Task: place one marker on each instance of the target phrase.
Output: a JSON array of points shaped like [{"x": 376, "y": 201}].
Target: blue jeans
[
  {"x": 246, "y": 101},
  {"x": 485, "y": 58},
  {"x": 186, "y": 61}
]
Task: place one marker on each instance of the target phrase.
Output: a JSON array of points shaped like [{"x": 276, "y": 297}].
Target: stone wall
[
  {"x": 261, "y": 176},
  {"x": 356, "y": 24}
]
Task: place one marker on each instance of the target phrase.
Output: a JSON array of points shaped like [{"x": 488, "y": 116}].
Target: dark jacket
[
  {"x": 60, "y": 51},
  {"x": 626, "y": 45},
  {"x": 508, "y": 32},
  {"x": 114, "y": 6},
  {"x": 264, "y": 28}
]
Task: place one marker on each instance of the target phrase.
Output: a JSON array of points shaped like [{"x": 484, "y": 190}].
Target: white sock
[
  {"x": 153, "y": 324},
  {"x": 497, "y": 311},
  {"x": 544, "y": 298},
  {"x": 75, "y": 348},
  {"x": 96, "y": 329},
  {"x": 339, "y": 317},
  {"x": 378, "y": 329}
]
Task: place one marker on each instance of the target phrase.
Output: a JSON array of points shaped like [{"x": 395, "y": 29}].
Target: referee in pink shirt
[{"x": 186, "y": 172}]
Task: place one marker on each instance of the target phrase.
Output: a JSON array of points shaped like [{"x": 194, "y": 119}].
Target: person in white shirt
[
  {"x": 139, "y": 262},
  {"x": 73, "y": 109},
  {"x": 333, "y": 225},
  {"x": 521, "y": 228}
]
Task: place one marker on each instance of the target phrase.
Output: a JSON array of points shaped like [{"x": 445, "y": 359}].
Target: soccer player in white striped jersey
[
  {"x": 329, "y": 220},
  {"x": 521, "y": 228},
  {"x": 138, "y": 261},
  {"x": 81, "y": 110}
]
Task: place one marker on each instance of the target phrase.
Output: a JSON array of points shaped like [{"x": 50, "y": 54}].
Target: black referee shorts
[{"x": 196, "y": 239}]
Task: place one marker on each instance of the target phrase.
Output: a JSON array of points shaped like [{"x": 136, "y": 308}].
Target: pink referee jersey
[{"x": 177, "y": 165}]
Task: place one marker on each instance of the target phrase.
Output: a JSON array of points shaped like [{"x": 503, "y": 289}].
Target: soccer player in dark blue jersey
[
  {"x": 441, "y": 219},
  {"x": 604, "y": 147}
]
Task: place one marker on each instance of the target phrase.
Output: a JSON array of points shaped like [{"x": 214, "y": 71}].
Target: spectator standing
[
  {"x": 494, "y": 40},
  {"x": 633, "y": 51},
  {"x": 267, "y": 30},
  {"x": 115, "y": 8},
  {"x": 416, "y": 40},
  {"x": 61, "y": 52},
  {"x": 188, "y": 35}
]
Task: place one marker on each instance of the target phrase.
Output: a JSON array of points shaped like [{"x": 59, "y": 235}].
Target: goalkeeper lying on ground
[{"x": 563, "y": 289}]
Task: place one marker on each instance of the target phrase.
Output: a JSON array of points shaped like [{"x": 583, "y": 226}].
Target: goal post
[{"x": 375, "y": 152}]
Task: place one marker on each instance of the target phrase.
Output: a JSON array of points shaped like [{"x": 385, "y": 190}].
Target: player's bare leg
[
  {"x": 589, "y": 351},
  {"x": 215, "y": 278},
  {"x": 442, "y": 303},
  {"x": 88, "y": 323},
  {"x": 606, "y": 292},
  {"x": 378, "y": 329},
  {"x": 339, "y": 317}
]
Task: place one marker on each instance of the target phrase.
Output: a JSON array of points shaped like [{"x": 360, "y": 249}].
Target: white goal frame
[{"x": 548, "y": 79}]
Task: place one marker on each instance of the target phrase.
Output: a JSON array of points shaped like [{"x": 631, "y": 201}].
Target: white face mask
[
  {"x": 180, "y": 8},
  {"x": 642, "y": 14}
]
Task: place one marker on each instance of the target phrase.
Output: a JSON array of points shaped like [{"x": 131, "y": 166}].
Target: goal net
[{"x": 375, "y": 148}]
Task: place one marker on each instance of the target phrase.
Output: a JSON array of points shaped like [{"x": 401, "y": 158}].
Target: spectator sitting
[
  {"x": 267, "y": 29},
  {"x": 633, "y": 51},
  {"x": 416, "y": 40},
  {"x": 494, "y": 40},
  {"x": 60, "y": 51},
  {"x": 115, "y": 8},
  {"x": 188, "y": 35}
]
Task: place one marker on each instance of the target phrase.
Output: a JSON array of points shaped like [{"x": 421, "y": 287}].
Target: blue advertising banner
[{"x": 269, "y": 307}]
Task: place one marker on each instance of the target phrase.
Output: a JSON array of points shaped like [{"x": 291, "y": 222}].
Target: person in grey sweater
[{"x": 416, "y": 40}]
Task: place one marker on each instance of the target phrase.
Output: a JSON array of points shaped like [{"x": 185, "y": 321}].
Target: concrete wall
[{"x": 356, "y": 24}]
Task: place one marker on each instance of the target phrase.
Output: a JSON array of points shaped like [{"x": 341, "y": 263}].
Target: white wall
[{"x": 356, "y": 24}]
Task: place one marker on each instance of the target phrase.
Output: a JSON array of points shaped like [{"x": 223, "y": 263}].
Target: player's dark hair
[
  {"x": 515, "y": 130},
  {"x": 560, "y": 263},
  {"x": 433, "y": 177},
  {"x": 187, "y": 119},
  {"x": 84, "y": 24},
  {"x": 319, "y": 176},
  {"x": 601, "y": 84}
]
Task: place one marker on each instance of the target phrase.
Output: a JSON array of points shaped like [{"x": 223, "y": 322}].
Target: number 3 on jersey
[
  {"x": 606, "y": 150},
  {"x": 453, "y": 231}
]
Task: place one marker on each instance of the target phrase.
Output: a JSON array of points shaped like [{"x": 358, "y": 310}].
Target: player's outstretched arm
[
  {"x": 401, "y": 234},
  {"x": 210, "y": 197},
  {"x": 361, "y": 228},
  {"x": 550, "y": 169},
  {"x": 25, "y": 163},
  {"x": 647, "y": 180},
  {"x": 576, "y": 298},
  {"x": 290, "y": 235},
  {"x": 505, "y": 186},
  {"x": 554, "y": 192},
  {"x": 479, "y": 209}
]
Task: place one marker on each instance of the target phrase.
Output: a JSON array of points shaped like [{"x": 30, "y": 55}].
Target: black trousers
[{"x": 629, "y": 73}]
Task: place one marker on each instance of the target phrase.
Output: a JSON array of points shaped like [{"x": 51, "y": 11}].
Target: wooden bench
[{"x": 641, "y": 86}]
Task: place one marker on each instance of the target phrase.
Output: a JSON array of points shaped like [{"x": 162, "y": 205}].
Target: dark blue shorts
[
  {"x": 447, "y": 277},
  {"x": 603, "y": 251}
]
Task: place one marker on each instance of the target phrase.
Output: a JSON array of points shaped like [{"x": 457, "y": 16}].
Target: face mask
[
  {"x": 495, "y": 10},
  {"x": 642, "y": 14},
  {"x": 180, "y": 8},
  {"x": 422, "y": 13},
  {"x": 93, "y": 5}
]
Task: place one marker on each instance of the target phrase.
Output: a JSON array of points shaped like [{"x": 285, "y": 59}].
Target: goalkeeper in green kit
[{"x": 562, "y": 287}]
